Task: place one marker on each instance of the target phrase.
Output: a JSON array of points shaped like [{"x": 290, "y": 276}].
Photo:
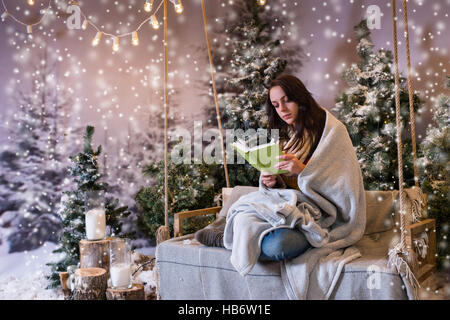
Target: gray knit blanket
[{"x": 329, "y": 208}]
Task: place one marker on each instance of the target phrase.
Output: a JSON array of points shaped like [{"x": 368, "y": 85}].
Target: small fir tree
[
  {"x": 434, "y": 171},
  {"x": 87, "y": 176},
  {"x": 367, "y": 109}
]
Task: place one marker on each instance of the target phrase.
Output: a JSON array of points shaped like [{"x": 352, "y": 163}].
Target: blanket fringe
[{"x": 399, "y": 259}]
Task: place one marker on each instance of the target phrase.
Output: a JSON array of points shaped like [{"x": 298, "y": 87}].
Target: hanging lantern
[
  {"x": 154, "y": 22},
  {"x": 115, "y": 46},
  {"x": 85, "y": 24},
  {"x": 148, "y": 5},
  {"x": 135, "y": 38},
  {"x": 29, "y": 29},
  {"x": 178, "y": 6},
  {"x": 30, "y": 2},
  {"x": 4, "y": 15},
  {"x": 97, "y": 38},
  {"x": 262, "y": 2}
]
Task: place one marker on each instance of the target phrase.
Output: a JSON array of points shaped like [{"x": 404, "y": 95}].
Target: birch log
[
  {"x": 90, "y": 284},
  {"x": 94, "y": 254},
  {"x": 136, "y": 292}
]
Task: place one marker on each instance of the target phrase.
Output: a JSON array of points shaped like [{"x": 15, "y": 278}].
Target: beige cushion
[{"x": 379, "y": 211}]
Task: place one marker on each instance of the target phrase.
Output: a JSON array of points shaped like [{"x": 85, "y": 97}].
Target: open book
[{"x": 262, "y": 157}]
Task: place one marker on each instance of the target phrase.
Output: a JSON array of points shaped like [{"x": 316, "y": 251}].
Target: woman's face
[{"x": 286, "y": 109}]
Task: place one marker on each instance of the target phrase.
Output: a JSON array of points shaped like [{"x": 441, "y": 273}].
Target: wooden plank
[
  {"x": 180, "y": 216},
  {"x": 425, "y": 271},
  {"x": 428, "y": 267},
  {"x": 199, "y": 212},
  {"x": 420, "y": 227}
]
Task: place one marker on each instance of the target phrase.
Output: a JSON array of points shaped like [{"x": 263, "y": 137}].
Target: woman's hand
[
  {"x": 290, "y": 163},
  {"x": 268, "y": 179}
]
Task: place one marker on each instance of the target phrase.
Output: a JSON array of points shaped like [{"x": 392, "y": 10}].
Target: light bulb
[
  {"x": 116, "y": 44},
  {"x": 261, "y": 2},
  {"x": 30, "y": 2},
  {"x": 4, "y": 15},
  {"x": 97, "y": 38},
  {"x": 178, "y": 6},
  {"x": 135, "y": 39},
  {"x": 85, "y": 24},
  {"x": 148, "y": 5},
  {"x": 154, "y": 22}
]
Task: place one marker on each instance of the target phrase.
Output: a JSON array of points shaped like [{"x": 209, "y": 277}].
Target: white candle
[
  {"x": 95, "y": 224},
  {"x": 120, "y": 275}
]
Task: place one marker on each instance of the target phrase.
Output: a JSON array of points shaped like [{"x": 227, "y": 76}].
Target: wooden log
[
  {"x": 136, "y": 292},
  {"x": 64, "y": 277},
  {"x": 94, "y": 254},
  {"x": 90, "y": 284}
]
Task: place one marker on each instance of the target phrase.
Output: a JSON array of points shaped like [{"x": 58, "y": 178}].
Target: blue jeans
[{"x": 283, "y": 243}]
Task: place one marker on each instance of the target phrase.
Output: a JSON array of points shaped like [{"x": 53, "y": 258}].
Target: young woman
[{"x": 291, "y": 109}]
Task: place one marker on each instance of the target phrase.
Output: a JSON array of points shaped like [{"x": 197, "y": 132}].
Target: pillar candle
[
  {"x": 120, "y": 275},
  {"x": 95, "y": 224}
]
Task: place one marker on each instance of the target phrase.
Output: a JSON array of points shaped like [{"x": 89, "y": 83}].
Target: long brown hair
[{"x": 310, "y": 117}]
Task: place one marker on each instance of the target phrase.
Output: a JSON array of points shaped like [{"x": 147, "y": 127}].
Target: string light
[
  {"x": 85, "y": 24},
  {"x": 178, "y": 6},
  {"x": 262, "y": 2},
  {"x": 116, "y": 44},
  {"x": 154, "y": 22},
  {"x": 148, "y": 5},
  {"x": 88, "y": 23},
  {"x": 97, "y": 38},
  {"x": 31, "y": 2},
  {"x": 135, "y": 39}
]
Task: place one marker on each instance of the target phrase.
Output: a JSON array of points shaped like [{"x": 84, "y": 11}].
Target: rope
[
  {"x": 399, "y": 128},
  {"x": 211, "y": 67},
  {"x": 163, "y": 232},
  {"x": 410, "y": 93},
  {"x": 399, "y": 256}
]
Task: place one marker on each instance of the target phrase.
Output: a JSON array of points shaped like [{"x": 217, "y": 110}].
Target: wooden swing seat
[{"x": 190, "y": 270}]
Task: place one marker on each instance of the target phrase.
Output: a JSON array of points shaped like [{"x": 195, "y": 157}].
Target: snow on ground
[{"x": 23, "y": 274}]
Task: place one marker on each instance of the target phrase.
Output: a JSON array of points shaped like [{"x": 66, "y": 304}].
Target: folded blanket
[{"x": 329, "y": 208}]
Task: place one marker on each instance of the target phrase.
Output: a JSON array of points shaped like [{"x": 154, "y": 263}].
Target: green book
[{"x": 263, "y": 157}]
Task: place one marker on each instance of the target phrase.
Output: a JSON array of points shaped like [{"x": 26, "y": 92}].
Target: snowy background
[{"x": 120, "y": 93}]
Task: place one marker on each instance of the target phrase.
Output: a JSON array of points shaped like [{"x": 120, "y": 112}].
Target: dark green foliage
[
  {"x": 190, "y": 187},
  {"x": 367, "y": 109},
  {"x": 434, "y": 174}
]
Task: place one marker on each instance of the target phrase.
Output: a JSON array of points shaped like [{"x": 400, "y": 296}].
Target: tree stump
[
  {"x": 136, "y": 292},
  {"x": 94, "y": 254},
  {"x": 63, "y": 277},
  {"x": 90, "y": 284}
]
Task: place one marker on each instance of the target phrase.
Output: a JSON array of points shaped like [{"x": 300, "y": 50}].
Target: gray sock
[{"x": 212, "y": 235}]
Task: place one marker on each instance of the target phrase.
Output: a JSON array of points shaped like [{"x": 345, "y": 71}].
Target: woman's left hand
[{"x": 290, "y": 163}]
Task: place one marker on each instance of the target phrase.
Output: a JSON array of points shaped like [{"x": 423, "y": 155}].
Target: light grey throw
[{"x": 329, "y": 208}]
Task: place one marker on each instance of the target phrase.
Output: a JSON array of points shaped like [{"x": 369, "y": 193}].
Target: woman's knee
[{"x": 283, "y": 244}]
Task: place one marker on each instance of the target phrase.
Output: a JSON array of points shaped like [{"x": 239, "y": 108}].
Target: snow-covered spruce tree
[
  {"x": 367, "y": 109},
  {"x": 434, "y": 172},
  {"x": 226, "y": 34},
  {"x": 252, "y": 57},
  {"x": 87, "y": 176},
  {"x": 35, "y": 159}
]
